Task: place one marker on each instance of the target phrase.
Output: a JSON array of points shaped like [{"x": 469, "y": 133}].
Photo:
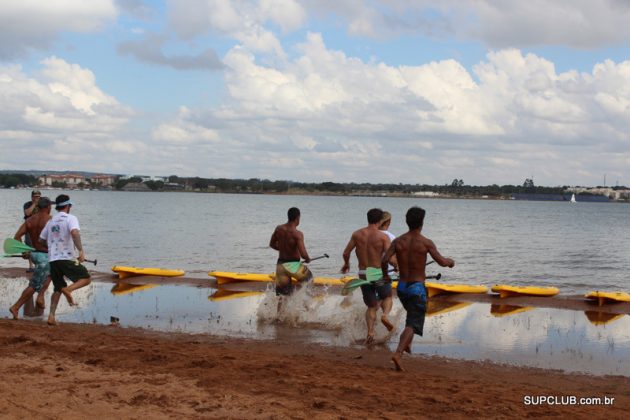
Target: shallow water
[
  {"x": 576, "y": 247},
  {"x": 536, "y": 337}
]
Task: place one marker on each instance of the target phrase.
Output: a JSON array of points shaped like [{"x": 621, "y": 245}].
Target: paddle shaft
[{"x": 318, "y": 258}]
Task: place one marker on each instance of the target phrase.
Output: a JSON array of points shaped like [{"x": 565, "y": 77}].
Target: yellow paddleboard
[
  {"x": 124, "y": 272},
  {"x": 505, "y": 290},
  {"x": 434, "y": 289},
  {"x": 224, "y": 277},
  {"x": 608, "y": 297},
  {"x": 601, "y": 318},
  {"x": 124, "y": 288}
]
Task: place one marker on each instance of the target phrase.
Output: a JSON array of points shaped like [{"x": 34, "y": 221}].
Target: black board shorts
[{"x": 73, "y": 270}]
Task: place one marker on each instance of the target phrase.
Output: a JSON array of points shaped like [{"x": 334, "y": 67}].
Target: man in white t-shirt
[{"x": 62, "y": 236}]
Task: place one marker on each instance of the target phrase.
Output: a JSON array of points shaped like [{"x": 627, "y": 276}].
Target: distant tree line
[
  {"x": 16, "y": 180},
  {"x": 256, "y": 185}
]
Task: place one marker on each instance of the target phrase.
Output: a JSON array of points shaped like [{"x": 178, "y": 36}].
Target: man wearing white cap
[{"x": 62, "y": 236}]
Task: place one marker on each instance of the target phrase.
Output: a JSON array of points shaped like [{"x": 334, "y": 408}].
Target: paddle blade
[
  {"x": 353, "y": 284},
  {"x": 13, "y": 246}
]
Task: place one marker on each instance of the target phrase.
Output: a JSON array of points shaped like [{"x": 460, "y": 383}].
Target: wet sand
[
  {"x": 79, "y": 371},
  {"x": 89, "y": 370}
]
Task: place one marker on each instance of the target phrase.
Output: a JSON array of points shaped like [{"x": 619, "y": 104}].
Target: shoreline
[
  {"x": 81, "y": 370},
  {"x": 332, "y": 194},
  {"x": 575, "y": 302}
]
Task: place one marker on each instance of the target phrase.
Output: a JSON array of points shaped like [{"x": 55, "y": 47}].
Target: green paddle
[
  {"x": 13, "y": 246},
  {"x": 355, "y": 283}
]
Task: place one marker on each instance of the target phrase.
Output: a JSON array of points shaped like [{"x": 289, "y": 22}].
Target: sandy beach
[{"x": 79, "y": 371}]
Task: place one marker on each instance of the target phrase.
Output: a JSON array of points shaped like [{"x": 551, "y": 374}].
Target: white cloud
[
  {"x": 243, "y": 20},
  {"x": 499, "y": 24},
  {"x": 514, "y": 115},
  {"x": 33, "y": 24},
  {"x": 55, "y": 113}
]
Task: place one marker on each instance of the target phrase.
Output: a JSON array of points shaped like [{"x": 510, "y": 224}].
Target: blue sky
[{"x": 347, "y": 90}]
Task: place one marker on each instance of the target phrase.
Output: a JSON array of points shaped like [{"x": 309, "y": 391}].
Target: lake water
[{"x": 576, "y": 247}]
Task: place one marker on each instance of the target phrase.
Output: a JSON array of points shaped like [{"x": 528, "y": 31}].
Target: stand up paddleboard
[
  {"x": 224, "y": 277},
  {"x": 434, "y": 289},
  {"x": 505, "y": 290},
  {"x": 607, "y": 297},
  {"x": 124, "y": 272}
]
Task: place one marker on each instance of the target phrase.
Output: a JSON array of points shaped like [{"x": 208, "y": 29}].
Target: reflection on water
[
  {"x": 597, "y": 343},
  {"x": 504, "y": 310},
  {"x": 601, "y": 318}
]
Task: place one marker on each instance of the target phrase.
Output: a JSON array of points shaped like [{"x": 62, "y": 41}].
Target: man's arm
[
  {"x": 299, "y": 237},
  {"x": 76, "y": 238},
  {"x": 443, "y": 261},
  {"x": 21, "y": 232},
  {"x": 346, "y": 254},
  {"x": 391, "y": 252},
  {"x": 28, "y": 210},
  {"x": 273, "y": 242}
]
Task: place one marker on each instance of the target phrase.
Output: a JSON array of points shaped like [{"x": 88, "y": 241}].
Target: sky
[{"x": 380, "y": 91}]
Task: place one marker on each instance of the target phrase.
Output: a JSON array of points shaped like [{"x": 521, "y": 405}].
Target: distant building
[
  {"x": 146, "y": 178},
  {"x": 103, "y": 180},
  {"x": 71, "y": 180},
  {"x": 426, "y": 194}
]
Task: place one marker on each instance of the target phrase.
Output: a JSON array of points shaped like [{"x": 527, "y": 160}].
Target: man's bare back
[
  {"x": 370, "y": 244},
  {"x": 289, "y": 242},
  {"x": 34, "y": 226},
  {"x": 411, "y": 251}
]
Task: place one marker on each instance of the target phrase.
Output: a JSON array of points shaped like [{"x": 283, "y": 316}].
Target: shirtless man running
[
  {"x": 411, "y": 251},
  {"x": 41, "y": 274},
  {"x": 289, "y": 242},
  {"x": 371, "y": 243}
]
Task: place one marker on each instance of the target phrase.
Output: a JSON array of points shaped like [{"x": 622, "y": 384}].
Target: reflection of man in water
[
  {"x": 371, "y": 244},
  {"x": 41, "y": 275},
  {"x": 411, "y": 251},
  {"x": 289, "y": 242}
]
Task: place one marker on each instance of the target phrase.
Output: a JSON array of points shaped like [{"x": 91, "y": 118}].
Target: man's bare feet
[
  {"x": 40, "y": 302},
  {"x": 408, "y": 349},
  {"x": 68, "y": 296},
  {"x": 14, "y": 312},
  {"x": 386, "y": 322},
  {"x": 369, "y": 339},
  {"x": 396, "y": 360},
  {"x": 52, "y": 320}
]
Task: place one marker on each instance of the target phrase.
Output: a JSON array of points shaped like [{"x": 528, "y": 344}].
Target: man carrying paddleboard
[
  {"x": 41, "y": 273},
  {"x": 62, "y": 236},
  {"x": 411, "y": 251},
  {"x": 371, "y": 243},
  {"x": 289, "y": 242}
]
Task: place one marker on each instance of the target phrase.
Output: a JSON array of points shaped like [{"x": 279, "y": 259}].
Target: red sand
[{"x": 80, "y": 371}]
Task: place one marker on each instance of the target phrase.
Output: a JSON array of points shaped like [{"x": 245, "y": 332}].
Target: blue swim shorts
[
  {"x": 41, "y": 271},
  {"x": 413, "y": 296}
]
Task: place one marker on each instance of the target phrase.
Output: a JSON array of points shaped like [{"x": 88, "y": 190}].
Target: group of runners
[
  {"x": 378, "y": 257},
  {"x": 54, "y": 239},
  {"x": 379, "y": 254}
]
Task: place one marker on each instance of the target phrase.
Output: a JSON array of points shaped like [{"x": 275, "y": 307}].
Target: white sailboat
[{"x": 573, "y": 198}]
